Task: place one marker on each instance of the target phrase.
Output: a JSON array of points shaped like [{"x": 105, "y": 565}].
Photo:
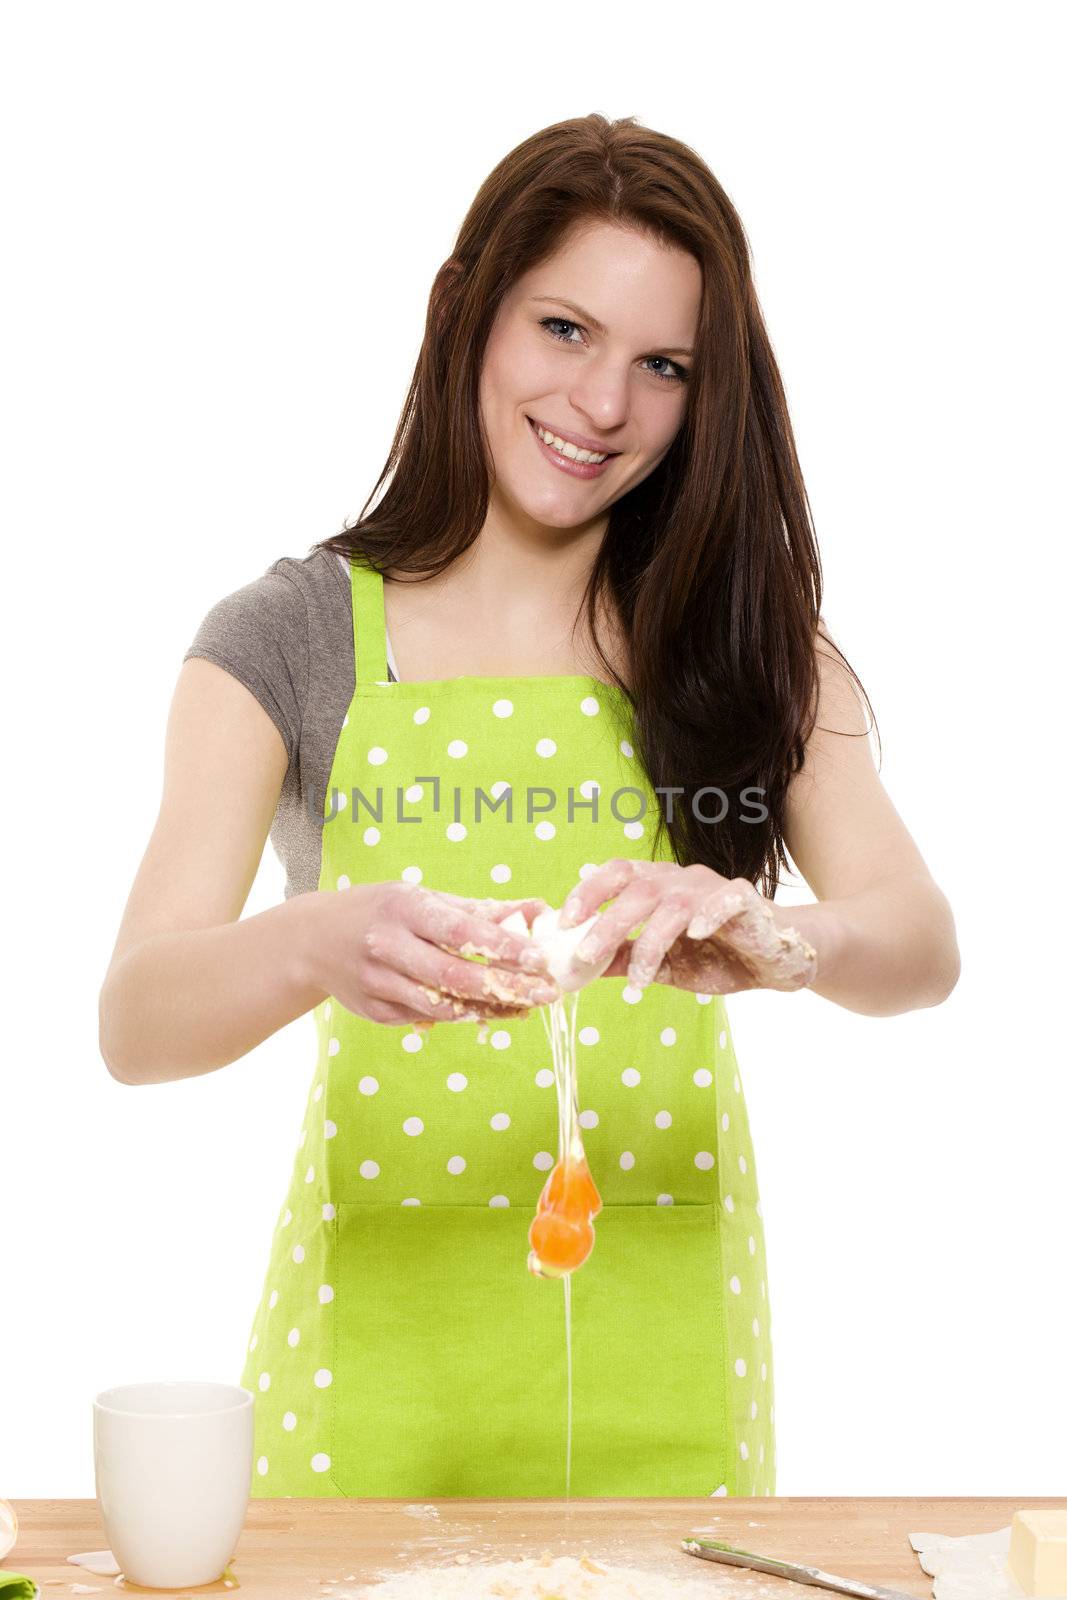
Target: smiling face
[{"x": 604, "y": 366}]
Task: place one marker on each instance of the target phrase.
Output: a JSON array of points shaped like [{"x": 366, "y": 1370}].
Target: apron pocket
[{"x": 449, "y": 1367}]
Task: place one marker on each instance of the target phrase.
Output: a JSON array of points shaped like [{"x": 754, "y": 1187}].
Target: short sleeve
[{"x": 259, "y": 634}]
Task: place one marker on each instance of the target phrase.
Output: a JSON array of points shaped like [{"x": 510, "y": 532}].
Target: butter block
[{"x": 1037, "y": 1553}]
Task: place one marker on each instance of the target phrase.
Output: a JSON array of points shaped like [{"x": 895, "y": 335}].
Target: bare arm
[
  {"x": 191, "y": 988},
  {"x": 884, "y": 931}
]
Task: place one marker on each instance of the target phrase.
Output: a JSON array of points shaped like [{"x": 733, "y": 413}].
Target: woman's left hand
[{"x": 702, "y": 931}]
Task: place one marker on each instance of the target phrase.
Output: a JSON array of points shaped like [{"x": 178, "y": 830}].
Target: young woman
[{"x": 573, "y": 657}]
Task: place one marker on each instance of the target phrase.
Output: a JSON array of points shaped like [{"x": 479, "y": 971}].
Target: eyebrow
[{"x": 598, "y": 327}]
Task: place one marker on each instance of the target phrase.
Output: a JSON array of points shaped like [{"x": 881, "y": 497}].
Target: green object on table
[{"x": 15, "y": 1586}]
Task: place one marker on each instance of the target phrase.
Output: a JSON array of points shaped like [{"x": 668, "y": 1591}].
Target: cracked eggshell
[{"x": 560, "y": 945}]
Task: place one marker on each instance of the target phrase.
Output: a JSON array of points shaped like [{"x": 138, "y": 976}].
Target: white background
[{"x": 223, "y": 221}]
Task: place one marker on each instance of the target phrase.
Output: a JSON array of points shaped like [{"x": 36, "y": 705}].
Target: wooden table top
[{"x": 291, "y": 1549}]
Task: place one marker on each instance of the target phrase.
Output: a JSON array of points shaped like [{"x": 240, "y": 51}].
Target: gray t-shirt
[{"x": 287, "y": 636}]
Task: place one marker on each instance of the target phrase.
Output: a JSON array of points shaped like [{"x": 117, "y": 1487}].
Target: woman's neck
[{"x": 498, "y": 611}]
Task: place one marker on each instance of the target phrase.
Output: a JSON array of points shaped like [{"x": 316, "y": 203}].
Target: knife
[{"x": 713, "y": 1550}]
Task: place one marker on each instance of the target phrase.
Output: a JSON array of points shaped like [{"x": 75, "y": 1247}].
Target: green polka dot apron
[{"x": 401, "y": 1347}]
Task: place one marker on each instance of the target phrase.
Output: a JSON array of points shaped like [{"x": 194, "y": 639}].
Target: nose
[{"x": 602, "y": 393}]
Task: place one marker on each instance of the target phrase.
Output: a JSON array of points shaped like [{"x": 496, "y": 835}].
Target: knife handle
[{"x": 711, "y": 1550}]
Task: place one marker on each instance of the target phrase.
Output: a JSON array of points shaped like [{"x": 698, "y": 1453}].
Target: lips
[
  {"x": 569, "y": 465},
  {"x": 579, "y": 440}
]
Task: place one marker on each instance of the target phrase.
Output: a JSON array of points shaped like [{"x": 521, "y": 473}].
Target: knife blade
[{"x": 715, "y": 1550}]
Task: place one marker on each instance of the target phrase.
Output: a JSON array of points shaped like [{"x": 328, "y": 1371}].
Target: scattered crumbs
[
  {"x": 85, "y": 1588},
  {"x": 421, "y": 1511}
]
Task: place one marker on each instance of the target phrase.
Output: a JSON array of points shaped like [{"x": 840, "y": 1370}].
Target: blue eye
[
  {"x": 681, "y": 373},
  {"x": 559, "y": 322}
]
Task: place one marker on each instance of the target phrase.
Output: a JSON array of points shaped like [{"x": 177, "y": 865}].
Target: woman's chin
[{"x": 547, "y": 511}]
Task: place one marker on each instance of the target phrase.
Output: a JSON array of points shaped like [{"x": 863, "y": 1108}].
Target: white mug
[{"x": 173, "y": 1477}]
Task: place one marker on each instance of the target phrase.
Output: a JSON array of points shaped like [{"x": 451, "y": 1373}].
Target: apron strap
[{"x": 368, "y": 623}]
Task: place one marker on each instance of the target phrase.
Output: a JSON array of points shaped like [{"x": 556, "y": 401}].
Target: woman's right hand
[{"x": 396, "y": 953}]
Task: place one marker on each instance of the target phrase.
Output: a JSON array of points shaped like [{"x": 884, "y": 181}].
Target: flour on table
[{"x": 546, "y": 1578}]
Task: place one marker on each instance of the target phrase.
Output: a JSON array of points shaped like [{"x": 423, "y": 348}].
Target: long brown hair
[{"x": 711, "y": 561}]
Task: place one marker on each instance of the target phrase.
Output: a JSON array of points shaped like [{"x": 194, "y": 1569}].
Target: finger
[
  {"x": 630, "y": 908},
  {"x": 530, "y": 909},
  {"x": 718, "y": 907},
  {"x": 450, "y": 1008},
  {"x": 631, "y": 871},
  {"x": 753, "y": 931},
  {"x": 436, "y": 919},
  {"x": 496, "y": 909},
  {"x": 592, "y": 890},
  {"x": 727, "y": 942},
  {"x": 620, "y": 962},
  {"x": 402, "y": 1000},
  {"x": 469, "y": 980},
  {"x": 650, "y": 947},
  {"x": 493, "y": 910}
]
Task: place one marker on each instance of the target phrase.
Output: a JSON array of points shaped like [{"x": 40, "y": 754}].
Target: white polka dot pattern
[{"x": 420, "y": 1119}]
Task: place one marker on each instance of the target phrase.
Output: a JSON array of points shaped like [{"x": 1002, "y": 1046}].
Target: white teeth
[{"x": 566, "y": 449}]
